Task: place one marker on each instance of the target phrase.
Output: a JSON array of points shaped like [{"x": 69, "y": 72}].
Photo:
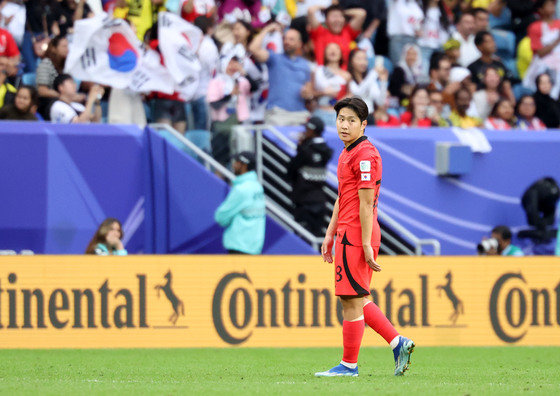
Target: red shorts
[{"x": 352, "y": 275}]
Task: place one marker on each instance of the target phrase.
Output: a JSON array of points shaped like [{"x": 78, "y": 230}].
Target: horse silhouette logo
[
  {"x": 455, "y": 301},
  {"x": 176, "y": 303}
]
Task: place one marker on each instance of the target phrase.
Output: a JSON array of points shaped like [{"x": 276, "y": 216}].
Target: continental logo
[
  {"x": 515, "y": 307},
  {"x": 238, "y": 307}
]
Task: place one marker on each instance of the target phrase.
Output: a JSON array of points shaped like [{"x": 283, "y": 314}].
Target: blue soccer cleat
[
  {"x": 402, "y": 355},
  {"x": 339, "y": 371}
]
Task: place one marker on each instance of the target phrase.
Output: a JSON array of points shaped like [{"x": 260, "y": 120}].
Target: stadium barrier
[{"x": 269, "y": 301}]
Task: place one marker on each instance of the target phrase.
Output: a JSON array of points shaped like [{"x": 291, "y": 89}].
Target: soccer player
[{"x": 354, "y": 220}]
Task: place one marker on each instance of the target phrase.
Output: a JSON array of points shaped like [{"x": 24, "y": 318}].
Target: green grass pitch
[{"x": 441, "y": 370}]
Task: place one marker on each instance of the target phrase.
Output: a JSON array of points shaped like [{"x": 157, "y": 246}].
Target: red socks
[
  {"x": 352, "y": 333},
  {"x": 378, "y": 322}
]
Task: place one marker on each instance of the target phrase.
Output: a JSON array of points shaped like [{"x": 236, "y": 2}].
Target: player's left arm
[{"x": 367, "y": 198}]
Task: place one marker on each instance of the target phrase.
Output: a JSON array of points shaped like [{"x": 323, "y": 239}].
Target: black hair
[
  {"x": 478, "y": 10},
  {"x": 538, "y": 80},
  {"x": 351, "y": 70},
  {"x": 247, "y": 27},
  {"x": 356, "y": 104},
  {"x": 540, "y": 4},
  {"x": 435, "y": 60},
  {"x": 32, "y": 93},
  {"x": 60, "y": 79},
  {"x": 341, "y": 60},
  {"x": 479, "y": 37},
  {"x": 418, "y": 87},
  {"x": 333, "y": 7},
  {"x": 494, "y": 112},
  {"x": 503, "y": 231},
  {"x": 443, "y": 18},
  {"x": 463, "y": 14},
  {"x": 203, "y": 23},
  {"x": 523, "y": 97}
]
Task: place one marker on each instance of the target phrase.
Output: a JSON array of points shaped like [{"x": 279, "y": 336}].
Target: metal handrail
[
  {"x": 399, "y": 228},
  {"x": 279, "y": 214}
]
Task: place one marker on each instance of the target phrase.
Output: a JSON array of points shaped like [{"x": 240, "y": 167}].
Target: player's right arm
[{"x": 326, "y": 247}]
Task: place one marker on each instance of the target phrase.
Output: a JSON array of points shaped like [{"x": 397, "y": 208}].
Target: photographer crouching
[{"x": 499, "y": 243}]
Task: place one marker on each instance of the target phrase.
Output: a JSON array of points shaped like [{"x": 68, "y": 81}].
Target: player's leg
[{"x": 352, "y": 334}]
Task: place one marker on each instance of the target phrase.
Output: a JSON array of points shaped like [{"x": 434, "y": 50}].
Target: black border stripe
[
  {"x": 355, "y": 285},
  {"x": 378, "y": 182},
  {"x": 358, "y": 141}
]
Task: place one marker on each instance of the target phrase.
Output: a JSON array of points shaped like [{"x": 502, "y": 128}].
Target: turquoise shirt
[
  {"x": 243, "y": 214},
  {"x": 512, "y": 250},
  {"x": 102, "y": 250}
]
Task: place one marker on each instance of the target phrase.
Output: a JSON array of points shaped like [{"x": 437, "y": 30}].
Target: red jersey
[
  {"x": 359, "y": 166},
  {"x": 322, "y": 36},
  {"x": 8, "y": 46}
]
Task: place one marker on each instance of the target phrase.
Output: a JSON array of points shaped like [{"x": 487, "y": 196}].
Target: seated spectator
[
  {"x": 7, "y": 90},
  {"x": 525, "y": 110},
  {"x": 452, "y": 49},
  {"x": 330, "y": 83},
  {"x": 24, "y": 106},
  {"x": 438, "y": 111},
  {"x": 383, "y": 119},
  {"x": 459, "y": 77},
  {"x": 502, "y": 116},
  {"x": 228, "y": 97},
  {"x": 286, "y": 96},
  {"x": 548, "y": 109},
  {"x": 107, "y": 240},
  {"x": 336, "y": 30},
  {"x": 65, "y": 111},
  {"x": 487, "y": 47},
  {"x": 192, "y": 9},
  {"x": 416, "y": 114},
  {"x": 465, "y": 35},
  {"x": 481, "y": 19},
  {"x": 371, "y": 85},
  {"x": 459, "y": 117},
  {"x": 404, "y": 25},
  {"x": 407, "y": 74},
  {"x": 485, "y": 98}
]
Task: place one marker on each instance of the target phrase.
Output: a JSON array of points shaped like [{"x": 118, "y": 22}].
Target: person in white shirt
[
  {"x": 465, "y": 35},
  {"x": 404, "y": 25},
  {"x": 209, "y": 57},
  {"x": 435, "y": 30},
  {"x": 370, "y": 85},
  {"x": 64, "y": 111}
]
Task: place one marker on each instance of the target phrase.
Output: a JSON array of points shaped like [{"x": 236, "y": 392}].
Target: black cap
[
  {"x": 246, "y": 157},
  {"x": 315, "y": 124}
]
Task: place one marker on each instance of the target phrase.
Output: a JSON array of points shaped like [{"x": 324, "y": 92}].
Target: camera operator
[{"x": 499, "y": 243}]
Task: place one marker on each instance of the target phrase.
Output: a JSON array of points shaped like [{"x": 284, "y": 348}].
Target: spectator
[
  {"x": 307, "y": 173},
  {"x": 486, "y": 98},
  {"x": 404, "y": 24},
  {"x": 481, "y": 20},
  {"x": 437, "y": 110},
  {"x": 192, "y": 9},
  {"x": 548, "y": 109},
  {"x": 465, "y": 35},
  {"x": 459, "y": 77},
  {"x": 502, "y": 245},
  {"x": 7, "y": 90},
  {"x": 9, "y": 50},
  {"x": 209, "y": 57},
  {"x": 459, "y": 117},
  {"x": 107, "y": 240},
  {"x": 65, "y": 111},
  {"x": 383, "y": 119},
  {"x": 440, "y": 74},
  {"x": 286, "y": 96},
  {"x": 452, "y": 49},
  {"x": 370, "y": 86},
  {"x": 435, "y": 29},
  {"x": 330, "y": 83},
  {"x": 407, "y": 74},
  {"x": 255, "y": 72},
  {"x": 502, "y": 116},
  {"x": 487, "y": 47},
  {"x": 243, "y": 211},
  {"x": 141, "y": 13},
  {"x": 336, "y": 30},
  {"x": 545, "y": 40},
  {"x": 66, "y": 13},
  {"x": 416, "y": 114},
  {"x": 525, "y": 110},
  {"x": 522, "y": 15},
  {"x": 24, "y": 106},
  {"x": 228, "y": 96}
]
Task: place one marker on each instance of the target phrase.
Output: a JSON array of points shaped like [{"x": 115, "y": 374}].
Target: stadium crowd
[{"x": 466, "y": 63}]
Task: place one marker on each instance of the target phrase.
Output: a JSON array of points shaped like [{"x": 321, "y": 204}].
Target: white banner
[
  {"x": 151, "y": 75},
  {"x": 103, "y": 50},
  {"x": 178, "y": 43}
]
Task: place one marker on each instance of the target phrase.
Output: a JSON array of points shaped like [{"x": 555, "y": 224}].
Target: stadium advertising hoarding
[{"x": 272, "y": 301}]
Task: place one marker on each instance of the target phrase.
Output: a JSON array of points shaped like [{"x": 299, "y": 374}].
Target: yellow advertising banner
[{"x": 272, "y": 301}]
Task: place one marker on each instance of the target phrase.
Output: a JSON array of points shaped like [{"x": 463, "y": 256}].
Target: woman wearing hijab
[
  {"x": 407, "y": 74},
  {"x": 548, "y": 110}
]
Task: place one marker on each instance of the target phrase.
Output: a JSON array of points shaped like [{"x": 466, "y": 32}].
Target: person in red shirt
[
  {"x": 192, "y": 9},
  {"x": 417, "y": 112},
  {"x": 9, "y": 49},
  {"x": 336, "y": 30},
  {"x": 354, "y": 221}
]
